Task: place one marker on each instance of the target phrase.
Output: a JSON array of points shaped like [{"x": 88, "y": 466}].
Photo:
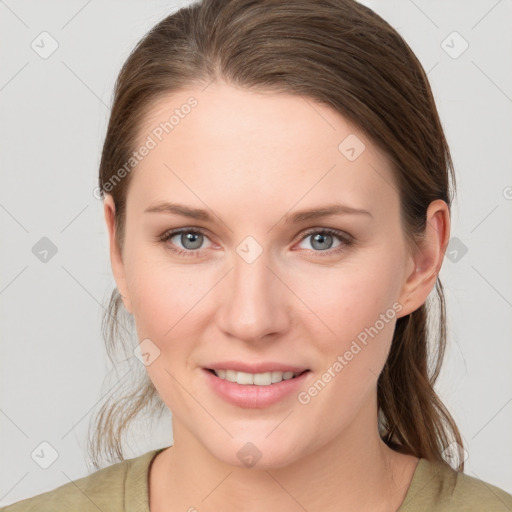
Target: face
[{"x": 254, "y": 284}]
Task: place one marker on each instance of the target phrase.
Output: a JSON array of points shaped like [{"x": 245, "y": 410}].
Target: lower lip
[{"x": 253, "y": 396}]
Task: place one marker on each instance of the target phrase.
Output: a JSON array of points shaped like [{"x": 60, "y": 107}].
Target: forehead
[{"x": 263, "y": 148}]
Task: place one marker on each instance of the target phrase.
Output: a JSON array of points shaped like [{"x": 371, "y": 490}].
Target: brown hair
[{"x": 344, "y": 55}]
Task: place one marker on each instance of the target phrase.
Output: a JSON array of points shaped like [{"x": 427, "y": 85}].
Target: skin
[{"x": 251, "y": 158}]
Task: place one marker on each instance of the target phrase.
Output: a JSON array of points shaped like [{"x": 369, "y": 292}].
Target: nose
[{"x": 254, "y": 303}]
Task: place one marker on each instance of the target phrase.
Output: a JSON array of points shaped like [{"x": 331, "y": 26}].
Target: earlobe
[
  {"x": 116, "y": 259},
  {"x": 427, "y": 258}
]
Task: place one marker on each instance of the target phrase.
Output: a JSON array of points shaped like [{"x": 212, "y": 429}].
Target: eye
[
  {"x": 322, "y": 239},
  {"x": 190, "y": 240}
]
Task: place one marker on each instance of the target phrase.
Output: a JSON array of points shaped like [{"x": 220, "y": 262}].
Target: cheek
[
  {"x": 360, "y": 311},
  {"x": 348, "y": 299},
  {"x": 163, "y": 299},
  {"x": 334, "y": 304},
  {"x": 171, "y": 302},
  {"x": 168, "y": 309}
]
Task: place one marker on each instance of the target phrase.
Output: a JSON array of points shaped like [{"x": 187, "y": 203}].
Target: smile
[
  {"x": 256, "y": 379},
  {"x": 240, "y": 388}
]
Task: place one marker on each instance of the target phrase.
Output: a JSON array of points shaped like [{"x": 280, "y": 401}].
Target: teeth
[{"x": 258, "y": 379}]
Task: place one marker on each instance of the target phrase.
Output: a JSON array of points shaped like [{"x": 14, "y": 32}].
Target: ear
[
  {"x": 427, "y": 259},
  {"x": 116, "y": 258}
]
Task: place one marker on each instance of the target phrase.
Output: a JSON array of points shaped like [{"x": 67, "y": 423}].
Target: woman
[{"x": 277, "y": 189}]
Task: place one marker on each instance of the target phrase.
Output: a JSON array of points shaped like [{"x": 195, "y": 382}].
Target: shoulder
[
  {"x": 436, "y": 487},
  {"x": 478, "y": 492},
  {"x": 104, "y": 489}
]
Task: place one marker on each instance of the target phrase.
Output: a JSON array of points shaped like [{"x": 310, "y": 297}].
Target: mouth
[
  {"x": 255, "y": 390},
  {"x": 255, "y": 379}
]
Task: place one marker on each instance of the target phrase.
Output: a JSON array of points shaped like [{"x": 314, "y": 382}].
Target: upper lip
[{"x": 263, "y": 367}]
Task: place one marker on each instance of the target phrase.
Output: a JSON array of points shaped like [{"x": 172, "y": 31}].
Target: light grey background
[{"x": 54, "y": 117}]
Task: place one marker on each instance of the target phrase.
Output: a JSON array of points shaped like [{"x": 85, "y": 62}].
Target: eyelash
[{"x": 344, "y": 238}]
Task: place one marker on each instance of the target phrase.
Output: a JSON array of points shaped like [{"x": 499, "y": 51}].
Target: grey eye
[
  {"x": 321, "y": 241},
  {"x": 190, "y": 240}
]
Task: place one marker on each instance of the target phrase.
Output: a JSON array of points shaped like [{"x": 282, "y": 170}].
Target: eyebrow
[{"x": 294, "y": 218}]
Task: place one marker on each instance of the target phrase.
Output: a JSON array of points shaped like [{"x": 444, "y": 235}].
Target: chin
[{"x": 263, "y": 454}]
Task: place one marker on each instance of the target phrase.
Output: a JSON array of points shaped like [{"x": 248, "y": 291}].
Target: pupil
[
  {"x": 321, "y": 239},
  {"x": 192, "y": 238}
]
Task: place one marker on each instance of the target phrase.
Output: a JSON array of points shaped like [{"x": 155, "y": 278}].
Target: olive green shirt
[{"x": 123, "y": 487}]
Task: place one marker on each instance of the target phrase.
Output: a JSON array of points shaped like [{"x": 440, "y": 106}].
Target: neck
[{"x": 354, "y": 471}]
